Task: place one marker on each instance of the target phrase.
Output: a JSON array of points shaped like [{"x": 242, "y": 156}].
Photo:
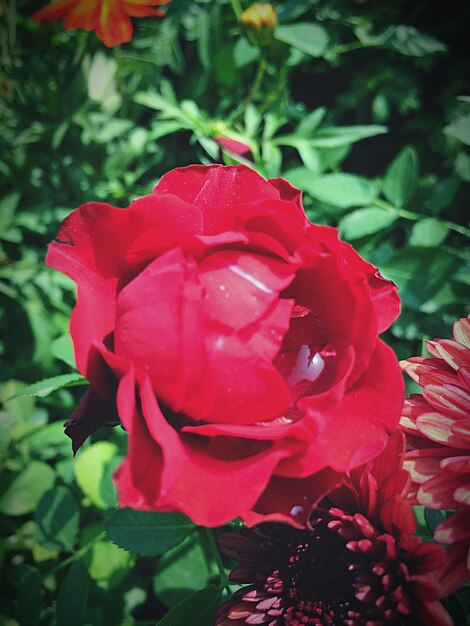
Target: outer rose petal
[
  {"x": 362, "y": 412},
  {"x": 216, "y": 189},
  {"x": 292, "y": 499},
  {"x": 383, "y": 292},
  {"x": 92, "y": 413},
  {"x": 186, "y": 468},
  {"x": 91, "y": 248}
]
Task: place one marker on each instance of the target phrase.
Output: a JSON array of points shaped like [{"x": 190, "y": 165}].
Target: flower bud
[{"x": 259, "y": 22}]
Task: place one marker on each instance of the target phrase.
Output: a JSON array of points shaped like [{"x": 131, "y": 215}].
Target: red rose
[{"x": 236, "y": 341}]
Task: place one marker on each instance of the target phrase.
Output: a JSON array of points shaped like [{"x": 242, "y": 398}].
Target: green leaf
[
  {"x": 45, "y": 387},
  {"x": 91, "y": 471},
  {"x": 62, "y": 349},
  {"x": 365, "y": 221},
  {"x": 197, "y": 610},
  {"x": 146, "y": 532},
  {"x": 49, "y": 441},
  {"x": 244, "y": 53},
  {"x": 420, "y": 273},
  {"x": 460, "y": 129},
  {"x": 310, "y": 122},
  {"x": 428, "y": 232},
  {"x": 108, "y": 564},
  {"x": 72, "y": 597},
  {"x": 443, "y": 194},
  {"x": 23, "y": 494},
  {"x": 400, "y": 177},
  {"x": 403, "y": 38},
  {"x": 462, "y": 166},
  {"x": 182, "y": 570},
  {"x": 309, "y": 157},
  {"x": 56, "y": 520},
  {"x": 29, "y": 595},
  {"x": 344, "y": 135},
  {"x": 8, "y": 206},
  {"x": 433, "y": 518},
  {"x": 309, "y": 38},
  {"x": 342, "y": 190},
  {"x": 298, "y": 177}
]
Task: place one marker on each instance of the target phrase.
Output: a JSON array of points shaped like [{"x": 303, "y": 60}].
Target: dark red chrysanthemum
[
  {"x": 357, "y": 564},
  {"x": 437, "y": 424}
]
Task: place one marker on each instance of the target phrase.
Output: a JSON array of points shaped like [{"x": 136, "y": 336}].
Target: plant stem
[
  {"x": 348, "y": 47},
  {"x": 217, "y": 558},
  {"x": 237, "y": 9},
  {"x": 75, "y": 556},
  {"x": 411, "y": 215},
  {"x": 260, "y": 72}
]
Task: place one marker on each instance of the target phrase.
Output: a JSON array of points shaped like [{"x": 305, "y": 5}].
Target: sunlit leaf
[
  {"x": 90, "y": 471},
  {"x": 45, "y": 387},
  {"x": 28, "y": 487},
  {"x": 147, "y": 532},
  {"x": 342, "y": 190},
  {"x": 428, "y": 232},
  {"x": 56, "y": 520},
  {"x": 365, "y": 221}
]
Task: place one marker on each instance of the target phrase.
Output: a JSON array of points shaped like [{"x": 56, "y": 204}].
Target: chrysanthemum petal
[
  {"x": 454, "y": 353},
  {"x": 456, "y": 528},
  {"x": 450, "y": 399},
  {"x": 423, "y": 464},
  {"x": 460, "y": 464},
  {"x": 438, "y": 491},
  {"x": 439, "y": 428},
  {"x": 455, "y": 571},
  {"x": 462, "y": 331}
]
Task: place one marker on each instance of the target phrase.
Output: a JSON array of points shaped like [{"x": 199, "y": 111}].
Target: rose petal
[
  {"x": 187, "y": 466},
  {"x": 215, "y": 190},
  {"x": 357, "y": 430},
  {"x": 291, "y": 500}
]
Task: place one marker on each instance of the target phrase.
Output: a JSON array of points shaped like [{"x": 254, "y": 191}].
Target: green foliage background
[{"x": 362, "y": 105}]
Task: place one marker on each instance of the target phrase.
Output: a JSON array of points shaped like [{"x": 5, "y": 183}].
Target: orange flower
[
  {"x": 437, "y": 424},
  {"x": 109, "y": 18}
]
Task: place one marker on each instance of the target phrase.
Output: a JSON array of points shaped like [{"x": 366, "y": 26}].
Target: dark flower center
[
  {"x": 317, "y": 579},
  {"x": 341, "y": 572}
]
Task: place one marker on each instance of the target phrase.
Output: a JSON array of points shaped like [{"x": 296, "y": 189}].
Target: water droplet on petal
[
  {"x": 307, "y": 367},
  {"x": 297, "y": 510}
]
